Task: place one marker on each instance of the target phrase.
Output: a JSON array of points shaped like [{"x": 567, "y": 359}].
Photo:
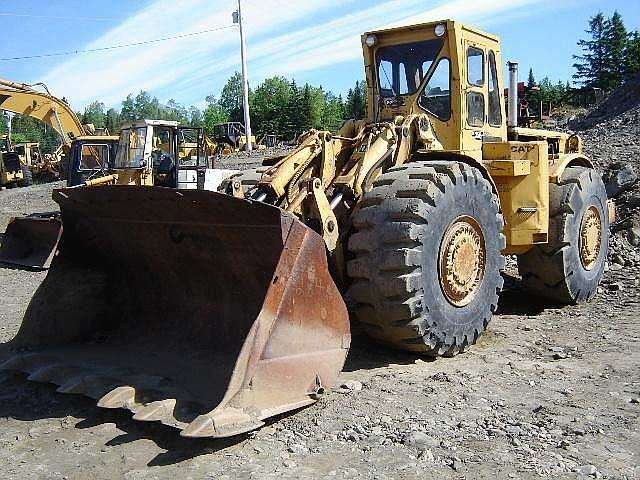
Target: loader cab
[
  {"x": 162, "y": 153},
  {"x": 29, "y": 153},
  {"x": 448, "y": 71}
]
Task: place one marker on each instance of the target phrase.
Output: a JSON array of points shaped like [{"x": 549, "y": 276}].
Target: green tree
[
  {"x": 531, "y": 82},
  {"x": 231, "y": 98},
  {"x": 356, "y": 103},
  {"x": 333, "y": 113},
  {"x": 270, "y": 106},
  {"x": 214, "y": 114},
  {"x": 632, "y": 55},
  {"x": 196, "y": 119},
  {"x": 615, "y": 41},
  {"x": 112, "y": 121},
  {"x": 591, "y": 65},
  {"x": 174, "y": 111},
  {"x": 94, "y": 113}
]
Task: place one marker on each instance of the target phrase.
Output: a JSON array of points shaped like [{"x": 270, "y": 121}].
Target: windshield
[
  {"x": 401, "y": 68},
  {"x": 94, "y": 157},
  {"x": 131, "y": 148}
]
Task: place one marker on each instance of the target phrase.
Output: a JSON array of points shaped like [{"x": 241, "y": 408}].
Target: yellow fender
[{"x": 558, "y": 166}]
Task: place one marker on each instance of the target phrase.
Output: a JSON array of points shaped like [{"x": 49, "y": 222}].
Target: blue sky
[{"x": 311, "y": 41}]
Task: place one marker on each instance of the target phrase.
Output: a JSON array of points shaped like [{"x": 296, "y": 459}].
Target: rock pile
[{"x": 611, "y": 134}]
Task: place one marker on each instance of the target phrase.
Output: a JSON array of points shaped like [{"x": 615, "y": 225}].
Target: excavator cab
[{"x": 90, "y": 157}]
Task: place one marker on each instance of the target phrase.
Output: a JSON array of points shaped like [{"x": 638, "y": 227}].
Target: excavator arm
[{"x": 23, "y": 99}]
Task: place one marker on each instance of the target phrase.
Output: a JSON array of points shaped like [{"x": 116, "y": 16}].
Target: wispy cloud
[{"x": 284, "y": 37}]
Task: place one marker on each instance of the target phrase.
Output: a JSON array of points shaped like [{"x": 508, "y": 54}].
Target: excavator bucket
[
  {"x": 31, "y": 242},
  {"x": 199, "y": 310}
]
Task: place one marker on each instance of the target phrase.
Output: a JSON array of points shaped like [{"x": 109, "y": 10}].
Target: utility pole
[{"x": 237, "y": 18}]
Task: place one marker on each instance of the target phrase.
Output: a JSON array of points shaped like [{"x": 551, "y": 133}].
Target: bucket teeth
[
  {"x": 157, "y": 411},
  {"x": 120, "y": 397},
  {"x": 93, "y": 386},
  {"x": 202, "y": 426},
  {"x": 55, "y": 373},
  {"x": 222, "y": 423},
  {"x": 26, "y": 362}
]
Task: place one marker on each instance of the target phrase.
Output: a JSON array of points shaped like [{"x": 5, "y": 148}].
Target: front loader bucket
[
  {"x": 31, "y": 242},
  {"x": 195, "y": 309}
]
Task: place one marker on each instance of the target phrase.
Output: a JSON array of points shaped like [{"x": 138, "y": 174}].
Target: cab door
[
  {"x": 474, "y": 99},
  {"x": 191, "y": 160}
]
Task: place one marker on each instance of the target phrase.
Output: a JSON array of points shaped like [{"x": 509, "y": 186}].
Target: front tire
[
  {"x": 570, "y": 266},
  {"x": 426, "y": 267}
]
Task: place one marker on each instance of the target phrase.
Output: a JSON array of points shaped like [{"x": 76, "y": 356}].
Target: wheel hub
[
  {"x": 462, "y": 260},
  {"x": 590, "y": 237}
]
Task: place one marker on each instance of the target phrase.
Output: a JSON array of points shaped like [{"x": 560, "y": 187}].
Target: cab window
[
  {"x": 94, "y": 157},
  {"x": 475, "y": 66},
  {"x": 475, "y": 109},
  {"x": 436, "y": 96},
  {"x": 495, "y": 110},
  {"x": 401, "y": 68}
]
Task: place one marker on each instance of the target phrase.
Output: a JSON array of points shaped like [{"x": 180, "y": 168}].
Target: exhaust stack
[{"x": 512, "y": 118}]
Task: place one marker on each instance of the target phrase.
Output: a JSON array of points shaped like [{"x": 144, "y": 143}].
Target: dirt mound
[{"x": 622, "y": 100}]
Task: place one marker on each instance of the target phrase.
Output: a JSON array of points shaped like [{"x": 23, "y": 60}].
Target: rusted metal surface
[
  {"x": 199, "y": 310},
  {"x": 31, "y": 242}
]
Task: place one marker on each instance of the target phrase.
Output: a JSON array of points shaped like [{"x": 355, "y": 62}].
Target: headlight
[
  {"x": 440, "y": 30},
  {"x": 371, "y": 41}
]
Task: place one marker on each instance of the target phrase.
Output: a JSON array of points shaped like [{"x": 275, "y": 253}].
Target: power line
[
  {"x": 113, "y": 47},
  {"x": 55, "y": 17}
]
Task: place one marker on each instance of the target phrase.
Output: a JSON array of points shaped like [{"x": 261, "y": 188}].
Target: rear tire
[
  {"x": 570, "y": 266},
  {"x": 408, "y": 273},
  {"x": 27, "y": 176}
]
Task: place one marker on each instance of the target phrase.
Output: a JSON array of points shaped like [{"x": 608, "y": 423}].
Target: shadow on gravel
[
  {"x": 29, "y": 401},
  {"x": 22, "y": 268},
  {"x": 366, "y": 354},
  {"x": 515, "y": 300}
]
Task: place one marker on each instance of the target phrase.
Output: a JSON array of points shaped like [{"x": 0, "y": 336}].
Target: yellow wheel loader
[{"x": 211, "y": 311}]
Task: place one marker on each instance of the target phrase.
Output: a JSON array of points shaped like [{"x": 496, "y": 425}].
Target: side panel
[{"x": 521, "y": 173}]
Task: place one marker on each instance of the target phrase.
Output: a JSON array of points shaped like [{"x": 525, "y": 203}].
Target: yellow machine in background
[
  {"x": 230, "y": 138},
  {"x": 163, "y": 153},
  {"x": 227, "y": 310},
  {"x": 23, "y": 99}
]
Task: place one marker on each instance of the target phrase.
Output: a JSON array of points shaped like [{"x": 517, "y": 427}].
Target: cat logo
[{"x": 522, "y": 148}]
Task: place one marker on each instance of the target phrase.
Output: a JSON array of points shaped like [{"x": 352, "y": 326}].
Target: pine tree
[
  {"x": 531, "y": 82},
  {"x": 615, "y": 41},
  {"x": 632, "y": 55},
  {"x": 591, "y": 65}
]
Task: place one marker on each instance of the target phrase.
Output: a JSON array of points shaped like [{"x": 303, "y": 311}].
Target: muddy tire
[
  {"x": 569, "y": 267},
  {"x": 27, "y": 177},
  {"x": 419, "y": 221},
  {"x": 248, "y": 179}
]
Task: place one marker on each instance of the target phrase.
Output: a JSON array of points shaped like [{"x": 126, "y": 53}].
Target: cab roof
[
  {"x": 451, "y": 24},
  {"x": 153, "y": 123},
  {"x": 99, "y": 138}
]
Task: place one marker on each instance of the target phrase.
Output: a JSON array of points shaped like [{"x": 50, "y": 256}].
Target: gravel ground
[{"x": 548, "y": 392}]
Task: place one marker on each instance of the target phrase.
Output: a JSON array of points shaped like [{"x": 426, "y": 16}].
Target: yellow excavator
[
  {"x": 211, "y": 312},
  {"x": 25, "y": 99},
  {"x": 31, "y": 241}
]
